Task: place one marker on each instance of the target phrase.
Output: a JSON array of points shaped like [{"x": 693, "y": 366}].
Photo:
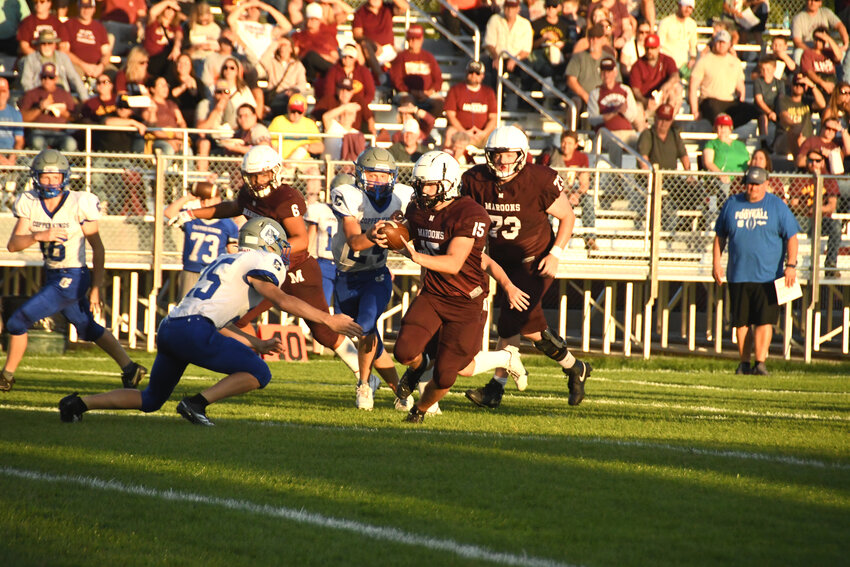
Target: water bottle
[{"x": 786, "y": 21}]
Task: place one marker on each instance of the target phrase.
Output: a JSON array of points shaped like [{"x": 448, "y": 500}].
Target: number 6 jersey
[{"x": 521, "y": 230}]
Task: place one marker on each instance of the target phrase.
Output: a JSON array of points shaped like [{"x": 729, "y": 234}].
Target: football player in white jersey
[
  {"x": 364, "y": 285},
  {"x": 226, "y": 290},
  {"x": 322, "y": 225},
  {"x": 60, "y": 222}
]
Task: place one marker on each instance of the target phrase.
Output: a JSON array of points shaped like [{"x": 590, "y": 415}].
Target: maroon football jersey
[
  {"x": 280, "y": 204},
  {"x": 432, "y": 231},
  {"x": 520, "y": 231}
]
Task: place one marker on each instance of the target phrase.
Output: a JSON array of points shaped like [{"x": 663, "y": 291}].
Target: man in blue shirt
[
  {"x": 760, "y": 230},
  {"x": 11, "y": 138}
]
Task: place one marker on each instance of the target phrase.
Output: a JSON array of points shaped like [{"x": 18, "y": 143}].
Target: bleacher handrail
[
  {"x": 606, "y": 134},
  {"x": 476, "y": 33},
  {"x": 502, "y": 80}
]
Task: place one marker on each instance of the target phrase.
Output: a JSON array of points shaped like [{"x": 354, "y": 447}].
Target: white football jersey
[
  {"x": 349, "y": 201},
  {"x": 326, "y": 223},
  {"x": 76, "y": 208},
  {"x": 223, "y": 293}
]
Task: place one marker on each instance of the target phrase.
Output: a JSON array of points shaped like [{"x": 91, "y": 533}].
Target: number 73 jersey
[
  {"x": 521, "y": 230},
  {"x": 349, "y": 201}
]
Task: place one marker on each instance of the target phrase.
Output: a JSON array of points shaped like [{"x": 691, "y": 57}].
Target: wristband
[
  {"x": 790, "y": 265},
  {"x": 557, "y": 252}
]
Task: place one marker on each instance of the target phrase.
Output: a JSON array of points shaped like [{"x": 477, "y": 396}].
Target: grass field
[{"x": 667, "y": 462}]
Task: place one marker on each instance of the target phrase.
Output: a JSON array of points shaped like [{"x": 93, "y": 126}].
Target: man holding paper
[{"x": 762, "y": 236}]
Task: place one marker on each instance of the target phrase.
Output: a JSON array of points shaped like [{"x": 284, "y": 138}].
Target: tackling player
[
  {"x": 519, "y": 198},
  {"x": 60, "y": 222},
  {"x": 227, "y": 289},
  {"x": 448, "y": 234},
  {"x": 265, "y": 194}
]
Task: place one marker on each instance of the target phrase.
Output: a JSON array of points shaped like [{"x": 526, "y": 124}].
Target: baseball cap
[
  {"x": 87, "y": 4},
  {"x": 123, "y": 101},
  {"x": 664, "y": 112},
  {"x": 4, "y": 84},
  {"x": 415, "y": 32},
  {"x": 607, "y": 64},
  {"x": 756, "y": 176},
  {"x": 686, "y": 3},
  {"x": 475, "y": 67},
  {"x": 47, "y": 36},
  {"x": 297, "y": 102},
  {"x": 596, "y": 30},
  {"x": 723, "y": 120},
  {"x": 652, "y": 40},
  {"x": 349, "y": 49},
  {"x": 553, "y": 3},
  {"x": 48, "y": 70},
  {"x": 722, "y": 35},
  {"x": 410, "y": 125},
  {"x": 511, "y": 3},
  {"x": 345, "y": 84},
  {"x": 314, "y": 10}
]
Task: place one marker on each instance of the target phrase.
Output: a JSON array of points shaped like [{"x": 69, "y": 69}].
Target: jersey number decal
[
  {"x": 210, "y": 280},
  {"x": 508, "y": 227},
  {"x": 296, "y": 212},
  {"x": 198, "y": 239},
  {"x": 54, "y": 251},
  {"x": 296, "y": 277},
  {"x": 478, "y": 229}
]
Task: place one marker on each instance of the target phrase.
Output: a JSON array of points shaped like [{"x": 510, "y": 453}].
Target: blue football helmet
[
  {"x": 50, "y": 161},
  {"x": 263, "y": 233},
  {"x": 375, "y": 159}
]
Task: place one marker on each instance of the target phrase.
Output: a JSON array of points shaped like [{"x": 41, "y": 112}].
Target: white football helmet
[
  {"x": 436, "y": 167},
  {"x": 506, "y": 139},
  {"x": 260, "y": 159}
]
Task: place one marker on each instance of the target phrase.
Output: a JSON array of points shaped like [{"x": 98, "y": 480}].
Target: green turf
[{"x": 675, "y": 461}]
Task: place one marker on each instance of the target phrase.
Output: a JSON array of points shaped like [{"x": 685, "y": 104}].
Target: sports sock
[
  {"x": 503, "y": 380},
  {"x": 199, "y": 401},
  {"x": 347, "y": 352},
  {"x": 487, "y": 361},
  {"x": 568, "y": 361}
]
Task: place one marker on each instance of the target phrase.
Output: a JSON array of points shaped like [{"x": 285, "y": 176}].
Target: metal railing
[{"x": 474, "y": 53}]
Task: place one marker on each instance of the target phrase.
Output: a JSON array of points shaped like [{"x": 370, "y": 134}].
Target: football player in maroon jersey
[
  {"x": 265, "y": 194},
  {"x": 519, "y": 197}
]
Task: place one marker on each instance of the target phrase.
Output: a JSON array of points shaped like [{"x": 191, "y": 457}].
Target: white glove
[{"x": 182, "y": 218}]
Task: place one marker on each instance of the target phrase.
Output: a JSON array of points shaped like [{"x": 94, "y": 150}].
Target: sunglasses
[
  {"x": 103, "y": 82},
  {"x": 843, "y": 92},
  {"x": 223, "y": 91},
  {"x": 231, "y": 68},
  {"x": 814, "y": 160}
]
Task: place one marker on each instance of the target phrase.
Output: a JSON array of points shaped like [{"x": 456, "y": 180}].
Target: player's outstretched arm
[
  {"x": 517, "y": 298},
  {"x": 342, "y": 324},
  {"x": 267, "y": 346},
  {"x": 223, "y": 210},
  {"x": 449, "y": 263}
]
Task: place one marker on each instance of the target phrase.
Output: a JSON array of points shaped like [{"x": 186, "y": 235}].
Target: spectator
[
  {"x": 839, "y": 104},
  {"x": 95, "y": 108},
  {"x": 415, "y": 72},
  {"x": 583, "y": 44},
  {"x": 784, "y": 62},
  {"x": 186, "y": 90},
  {"x": 814, "y": 16},
  {"x": 761, "y": 158},
  {"x": 678, "y": 35},
  {"x": 766, "y": 91},
  {"x": 164, "y": 113},
  {"x": 46, "y": 52},
  {"x": 801, "y": 199},
  {"x": 508, "y": 33},
  {"x": 576, "y": 21},
  {"x": 616, "y": 13},
  {"x": 477, "y": 11},
  {"x": 661, "y": 145},
  {"x": 348, "y": 67},
  {"x": 204, "y": 240},
  {"x": 372, "y": 28},
  {"x": 213, "y": 63},
  {"x": 314, "y": 46},
  {"x": 251, "y": 132},
  {"x": 654, "y": 78},
  {"x": 124, "y": 20},
  {"x": 121, "y": 141},
  {"x": 232, "y": 73},
  {"x": 13, "y": 13},
  {"x": 334, "y": 12},
  {"x": 89, "y": 43},
  {"x": 820, "y": 63},
  {"x": 41, "y": 20},
  {"x": 757, "y": 252},
  {"x": 48, "y": 104},
  {"x": 458, "y": 146},
  {"x": 341, "y": 115},
  {"x": 253, "y": 35},
  {"x": 163, "y": 35},
  {"x": 300, "y": 134},
  {"x": 409, "y": 149},
  {"x": 612, "y": 105},
  {"x": 203, "y": 35},
  {"x": 576, "y": 183},
  {"x": 715, "y": 80},
  {"x": 406, "y": 110},
  {"x": 795, "y": 116},
  {"x": 831, "y": 132},
  {"x": 552, "y": 36},
  {"x": 583, "y": 74},
  {"x": 11, "y": 138},
  {"x": 471, "y": 106},
  {"x": 723, "y": 153},
  {"x": 133, "y": 78},
  {"x": 285, "y": 75}
]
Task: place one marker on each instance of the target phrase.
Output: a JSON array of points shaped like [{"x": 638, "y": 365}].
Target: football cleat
[
  {"x": 410, "y": 379},
  {"x": 515, "y": 368},
  {"x": 434, "y": 409},
  {"x": 133, "y": 375},
  {"x": 490, "y": 396},
  {"x": 759, "y": 369},
  {"x": 363, "y": 397},
  {"x": 744, "y": 368},
  {"x": 71, "y": 408},
  {"x": 6, "y": 382},
  {"x": 403, "y": 405},
  {"x": 578, "y": 375},
  {"x": 193, "y": 414},
  {"x": 415, "y": 415}
]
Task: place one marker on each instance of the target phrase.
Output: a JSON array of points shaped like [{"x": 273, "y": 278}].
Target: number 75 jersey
[{"x": 349, "y": 201}]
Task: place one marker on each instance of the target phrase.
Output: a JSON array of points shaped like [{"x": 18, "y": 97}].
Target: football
[{"x": 396, "y": 234}]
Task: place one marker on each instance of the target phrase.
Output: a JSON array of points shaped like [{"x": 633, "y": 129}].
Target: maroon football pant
[{"x": 512, "y": 322}]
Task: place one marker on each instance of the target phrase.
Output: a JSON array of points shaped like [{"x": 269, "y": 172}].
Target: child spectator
[{"x": 766, "y": 91}]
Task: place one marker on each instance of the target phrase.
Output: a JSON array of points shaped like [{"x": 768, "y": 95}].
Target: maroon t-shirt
[
  {"x": 322, "y": 42},
  {"x": 815, "y": 143},
  {"x": 804, "y": 190},
  {"x": 87, "y": 39},
  {"x": 377, "y": 27},
  {"x": 33, "y": 97},
  {"x": 157, "y": 37},
  {"x": 94, "y": 110},
  {"x": 520, "y": 231},
  {"x": 124, "y": 11},
  {"x": 415, "y": 72},
  {"x": 282, "y": 203},
  {"x": 645, "y": 78},
  {"x": 31, "y": 26},
  {"x": 472, "y": 108},
  {"x": 432, "y": 231}
]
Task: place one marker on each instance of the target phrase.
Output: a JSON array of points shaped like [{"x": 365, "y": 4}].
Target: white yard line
[{"x": 381, "y": 533}]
